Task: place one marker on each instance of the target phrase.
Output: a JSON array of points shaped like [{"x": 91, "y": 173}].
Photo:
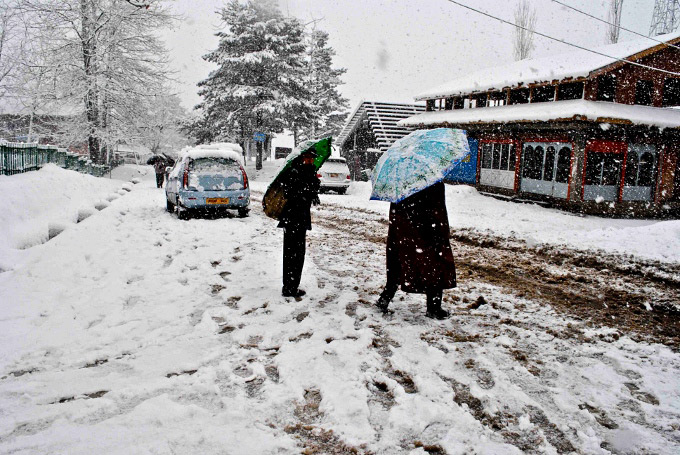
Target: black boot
[
  {"x": 382, "y": 303},
  {"x": 434, "y": 307}
]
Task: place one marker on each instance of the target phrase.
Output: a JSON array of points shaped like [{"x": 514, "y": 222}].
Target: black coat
[
  {"x": 300, "y": 188},
  {"x": 418, "y": 238}
]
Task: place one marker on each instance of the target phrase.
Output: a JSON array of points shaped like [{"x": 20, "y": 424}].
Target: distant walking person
[
  {"x": 159, "y": 167},
  {"x": 301, "y": 190},
  {"x": 419, "y": 257}
]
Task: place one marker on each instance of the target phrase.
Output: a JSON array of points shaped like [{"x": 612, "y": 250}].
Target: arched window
[
  {"x": 533, "y": 162},
  {"x": 496, "y": 156},
  {"x": 632, "y": 166},
  {"x": 486, "y": 156},
  {"x": 646, "y": 173},
  {"x": 563, "y": 165},
  {"x": 504, "y": 156},
  {"x": 528, "y": 159},
  {"x": 549, "y": 165}
]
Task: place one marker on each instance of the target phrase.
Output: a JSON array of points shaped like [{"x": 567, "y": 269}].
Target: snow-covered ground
[{"x": 134, "y": 332}]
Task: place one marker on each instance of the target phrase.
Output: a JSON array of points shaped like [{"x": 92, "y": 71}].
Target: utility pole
[{"x": 666, "y": 17}]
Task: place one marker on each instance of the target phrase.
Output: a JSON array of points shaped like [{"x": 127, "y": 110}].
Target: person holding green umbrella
[{"x": 301, "y": 189}]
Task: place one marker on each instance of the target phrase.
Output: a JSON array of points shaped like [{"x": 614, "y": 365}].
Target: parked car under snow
[
  {"x": 334, "y": 175},
  {"x": 208, "y": 178}
]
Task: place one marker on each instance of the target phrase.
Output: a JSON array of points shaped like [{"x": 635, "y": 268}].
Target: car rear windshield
[
  {"x": 334, "y": 166},
  {"x": 215, "y": 166}
]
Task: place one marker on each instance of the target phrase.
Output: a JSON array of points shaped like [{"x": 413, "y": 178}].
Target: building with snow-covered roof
[
  {"x": 369, "y": 130},
  {"x": 595, "y": 132}
]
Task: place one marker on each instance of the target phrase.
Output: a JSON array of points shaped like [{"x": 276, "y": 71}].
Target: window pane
[
  {"x": 611, "y": 168},
  {"x": 528, "y": 160},
  {"x": 671, "y": 92},
  {"x": 606, "y": 88},
  {"x": 496, "y": 156},
  {"x": 643, "y": 92},
  {"x": 533, "y": 162},
  {"x": 504, "y": 157},
  {"x": 647, "y": 168},
  {"x": 549, "y": 165},
  {"x": 519, "y": 96},
  {"x": 593, "y": 169},
  {"x": 631, "y": 169},
  {"x": 512, "y": 158},
  {"x": 486, "y": 156},
  {"x": 543, "y": 94},
  {"x": 563, "y": 165},
  {"x": 570, "y": 91}
]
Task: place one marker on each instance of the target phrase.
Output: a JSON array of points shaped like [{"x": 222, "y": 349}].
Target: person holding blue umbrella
[{"x": 409, "y": 175}]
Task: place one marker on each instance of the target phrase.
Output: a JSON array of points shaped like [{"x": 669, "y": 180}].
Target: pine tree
[
  {"x": 327, "y": 109},
  {"x": 259, "y": 79}
]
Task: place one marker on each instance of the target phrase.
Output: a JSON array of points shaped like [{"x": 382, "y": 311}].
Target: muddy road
[{"x": 635, "y": 297}]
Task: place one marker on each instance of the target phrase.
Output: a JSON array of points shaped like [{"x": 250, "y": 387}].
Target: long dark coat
[
  {"x": 418, "y": 247},
  {"x": 300, "y": 188}
]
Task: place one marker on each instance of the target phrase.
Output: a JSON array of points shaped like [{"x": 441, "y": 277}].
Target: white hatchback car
[{"x": 334, "y": 175}]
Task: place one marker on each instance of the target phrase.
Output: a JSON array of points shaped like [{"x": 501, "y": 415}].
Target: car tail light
[
  {"x": 185, "y": 177},
  {"x": 318, "y": 176},
  {"x": 349, "y": 177},
  {"x": 245, "y": 178}
]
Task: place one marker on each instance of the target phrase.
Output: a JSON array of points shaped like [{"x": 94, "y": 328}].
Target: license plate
[
  {"x": 334, "y": 175},
  {"x": 217, "y": 200}
]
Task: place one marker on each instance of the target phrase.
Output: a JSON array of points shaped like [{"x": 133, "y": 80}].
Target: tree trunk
[{"x": 91, "y": 96}]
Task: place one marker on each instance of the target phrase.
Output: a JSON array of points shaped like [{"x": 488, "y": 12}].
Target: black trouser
[
  {"x": 434, "y": 296},
  {"x": 294, "y": 239},
  {"x": 159, "y": 180}
]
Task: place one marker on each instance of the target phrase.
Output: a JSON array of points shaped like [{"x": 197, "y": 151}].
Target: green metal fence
[{"x": 17, "y": 157}]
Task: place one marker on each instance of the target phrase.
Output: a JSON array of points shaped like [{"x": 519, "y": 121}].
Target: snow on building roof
[
  {"x": 382, "y": 118},
  {"x": 575, "y": 64},
  {"x": 594, "y": 111}
]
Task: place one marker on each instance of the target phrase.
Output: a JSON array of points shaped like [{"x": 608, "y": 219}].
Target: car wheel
[
  {"x": 183, "y": 214},
  {"x": 169, "y": 206},
  {"x": 342, "y": 190},
  {"x": 242, "y": 213}
]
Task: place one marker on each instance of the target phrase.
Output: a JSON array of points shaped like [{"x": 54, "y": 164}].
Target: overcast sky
[{"x": 395, "y": 49}]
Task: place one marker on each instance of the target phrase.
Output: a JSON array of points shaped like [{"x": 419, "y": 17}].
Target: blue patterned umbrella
[{"x": 416, "y": 162}]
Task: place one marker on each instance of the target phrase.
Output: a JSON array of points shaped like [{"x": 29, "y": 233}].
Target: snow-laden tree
[
  {"x": 525, "y": 18},
  {"x": 615, "y": 9},
  {"x": 108, "y": 58},
  {"x": 10, "y": 41},
  {"x": 160, "y": 127},
  {"x": 259, "y": 79},
  {"x": 327, "y": 109}
]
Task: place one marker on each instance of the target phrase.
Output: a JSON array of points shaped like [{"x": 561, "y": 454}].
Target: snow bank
[{"x": 49, "y": 199}]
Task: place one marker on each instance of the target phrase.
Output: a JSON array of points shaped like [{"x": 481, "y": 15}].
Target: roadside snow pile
[{"x": 36, "y": 205}]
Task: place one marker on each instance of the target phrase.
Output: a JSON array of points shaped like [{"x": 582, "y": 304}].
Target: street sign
[{"x": 259, "y": 137}]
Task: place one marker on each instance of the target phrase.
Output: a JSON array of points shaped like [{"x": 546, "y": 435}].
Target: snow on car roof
[
  {"x": 218, "y": 150},
  {"x": 595, "y": 111},
  {"x": 574, "y": 64}
]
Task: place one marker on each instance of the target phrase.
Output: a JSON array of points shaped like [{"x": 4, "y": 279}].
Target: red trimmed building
[{"x": 581, "y": 131}]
